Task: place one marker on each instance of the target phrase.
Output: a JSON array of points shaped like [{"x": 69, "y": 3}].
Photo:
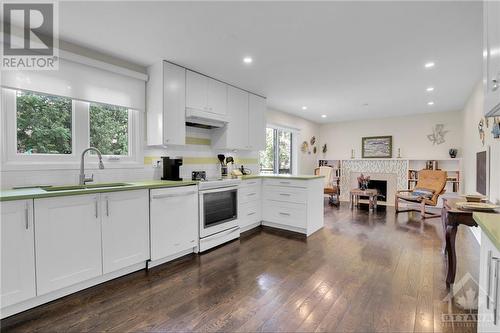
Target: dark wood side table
[
  {"x": 370, "y": 193},
  {"x": 451, "y": 218}
]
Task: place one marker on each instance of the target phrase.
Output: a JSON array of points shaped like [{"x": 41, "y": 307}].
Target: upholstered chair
[
  {"x": 430, "y": 185},
  {"x": 331, "y": 184}
]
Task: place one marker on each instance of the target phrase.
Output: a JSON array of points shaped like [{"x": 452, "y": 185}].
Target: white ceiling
[{"x": 332, "y": 57}]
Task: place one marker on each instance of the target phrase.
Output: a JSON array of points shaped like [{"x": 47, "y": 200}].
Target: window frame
[
  {"x": 293, "y": 148},
  {"x": 80, "y": 128}
]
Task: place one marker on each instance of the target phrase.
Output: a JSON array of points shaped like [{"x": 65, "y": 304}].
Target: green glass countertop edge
[
  {"x": 490, "y": 224},
  {"x": 298, "y": 177},
  {"x": 36, "y": 193}
]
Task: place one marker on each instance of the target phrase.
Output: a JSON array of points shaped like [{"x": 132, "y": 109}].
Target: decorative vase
[{"x": 453, "y": 152}]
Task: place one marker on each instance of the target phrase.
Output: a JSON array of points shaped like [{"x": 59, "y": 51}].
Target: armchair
[
  {"x": 429, "y": 187},
  {"x": 331, "y": 184}
]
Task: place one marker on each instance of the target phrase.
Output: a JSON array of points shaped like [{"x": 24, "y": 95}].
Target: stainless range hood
[{"x": 203, "y": 119}]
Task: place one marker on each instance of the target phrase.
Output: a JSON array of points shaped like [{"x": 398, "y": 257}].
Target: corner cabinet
[
  {"x": 125, "y": 229},
  {"x": 166, "y": 104},
  {"x": 247, "y": 123},
  {"x": 18, "y": 253},
  {"x": 68, "y": 241},
  {"x": 491, "y": 57}
]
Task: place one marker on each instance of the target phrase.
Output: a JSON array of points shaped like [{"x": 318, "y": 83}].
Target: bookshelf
[{"x": 451, "y": 165}]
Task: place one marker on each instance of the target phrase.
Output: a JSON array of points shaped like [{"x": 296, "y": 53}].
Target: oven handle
[
  {"x": 220, "y": 189},
  {"x": 161, "y": 196}
]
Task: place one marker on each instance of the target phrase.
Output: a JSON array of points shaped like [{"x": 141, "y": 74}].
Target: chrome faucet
[{"x": 83, "y": 179}]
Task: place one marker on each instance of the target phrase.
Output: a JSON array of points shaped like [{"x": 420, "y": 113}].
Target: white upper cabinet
[
  {"x": 217, "y": 97},
  {"x": 196, "y": 91},
  {"x": 67, "y": 241},
  {"x": 257, "y": 122},
  {"x": 125, "y": 229},
  {"x": 166, "y": 104},
  {"x": 205, "y": 94},
  {"x": 18, "y": 253},
  {"x": 491, "y": 68}
]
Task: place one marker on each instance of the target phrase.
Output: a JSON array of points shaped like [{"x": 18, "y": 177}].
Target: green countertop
[
  {"x": 490, "y": 224},
  {"x": 299, "y": 177},
  {"x": 37, "y": 192}
]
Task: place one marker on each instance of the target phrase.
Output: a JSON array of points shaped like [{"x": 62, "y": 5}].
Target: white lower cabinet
[
  {"x": 249, "y": 204},
  {"x": 489, "y": 287},
  {"x": 174, "y": 221},
  {"x": 125, "y": 229},
  {"x": 18, "y": 253},
  {"x": 67, "y": 241}
]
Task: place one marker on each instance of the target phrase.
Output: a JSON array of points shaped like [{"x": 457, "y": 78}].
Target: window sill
[{"x": 89, "y": 165}]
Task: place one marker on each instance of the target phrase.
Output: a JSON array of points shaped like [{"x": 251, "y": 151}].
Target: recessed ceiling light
[
  {"x": 247, "y": 60},
  {"x": 323, "y": 116},
  {"x": 304, "y": 107},
  {"x": 430, "y": 89},
  {"x": 430, "y": 103},
  {"x": 429, "y": 64}
]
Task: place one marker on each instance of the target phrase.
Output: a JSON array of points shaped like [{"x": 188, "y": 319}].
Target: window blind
[{"x": 82, "y": 82}]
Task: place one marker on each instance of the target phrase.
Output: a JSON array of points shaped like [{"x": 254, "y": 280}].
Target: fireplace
[{"x": 381, "y": 186}]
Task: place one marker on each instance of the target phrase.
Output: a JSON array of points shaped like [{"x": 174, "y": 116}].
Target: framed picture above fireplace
[{"x": 376, "y": 147}]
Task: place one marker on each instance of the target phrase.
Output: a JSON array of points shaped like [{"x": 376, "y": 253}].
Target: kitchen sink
[{"x": 82, "y": 187}]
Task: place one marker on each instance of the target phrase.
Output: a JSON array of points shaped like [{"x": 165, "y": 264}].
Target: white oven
[{"x": 218, "y": 213}]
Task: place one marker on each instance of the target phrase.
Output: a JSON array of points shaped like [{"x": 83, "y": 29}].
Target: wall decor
[
  {"x": 324, "y": 149},
  {"x": 315, "y": 150},
  {"x": 437, "y": 135},
  {"x": 304, "y": 147},
  {"x": 496, "y": 128},
  {"x": 480, "y": 129},
  {"x": 376, "y": 147},
  {"x": 313, "y": 141},
  {"x": 453, "y": 152}
]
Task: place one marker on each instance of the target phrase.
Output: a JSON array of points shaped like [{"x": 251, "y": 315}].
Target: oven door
[{"x": 218, "y": 210}]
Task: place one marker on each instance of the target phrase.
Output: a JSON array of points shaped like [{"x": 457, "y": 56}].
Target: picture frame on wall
[{"x": 376, "y": 147}]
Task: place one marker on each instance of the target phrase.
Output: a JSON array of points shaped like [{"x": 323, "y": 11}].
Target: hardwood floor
[{"x": 360, "y": 273}]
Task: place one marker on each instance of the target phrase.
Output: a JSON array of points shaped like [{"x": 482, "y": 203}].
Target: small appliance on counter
[
  {"x": 171, "y": 168},
  {"x": 199, "y": 175},
  {"x": 223, "y": 166}
]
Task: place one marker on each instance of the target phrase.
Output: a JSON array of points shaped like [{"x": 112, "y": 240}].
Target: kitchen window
[
  {"x": 278, "y": 156},
  {"x": 43, "y": 131}
]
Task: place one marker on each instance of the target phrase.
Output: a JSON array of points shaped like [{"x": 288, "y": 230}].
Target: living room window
[{"x": 277, "y": 158}]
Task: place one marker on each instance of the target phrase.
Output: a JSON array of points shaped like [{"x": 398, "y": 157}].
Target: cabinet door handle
[
  {"x": 161, "y": 196},
  {"x": 488, "y": 283},
  {"x": 285, "y": 194},
  {"x": 495, "y": 85},
  {"x": 251, "y": 213},
  {"x": 285, "y": 214},
  {"x": 495, "y": 309},
  {"x": 251, "y": 194},
  {"x": 107, "y": 207},
  {"x": 26, "y": 216},
  {"x": 284, "y": 182},
  {"x": 96, "y": 208}
]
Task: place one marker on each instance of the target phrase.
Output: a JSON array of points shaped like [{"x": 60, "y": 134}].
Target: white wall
[
  {"x": 306, "y": 129},
  {"x": 408, "y": 133},
  {"x": 473, "y": 112}
]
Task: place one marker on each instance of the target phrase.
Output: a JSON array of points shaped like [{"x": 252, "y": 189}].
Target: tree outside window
[
  {"x": 109, "y": 129},
  {"x": 44, "y": 123}
]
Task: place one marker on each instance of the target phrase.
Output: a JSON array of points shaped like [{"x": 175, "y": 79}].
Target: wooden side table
[{"x": 370, "y": 193}]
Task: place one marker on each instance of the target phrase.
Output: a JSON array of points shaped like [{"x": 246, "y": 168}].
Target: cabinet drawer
[
  {"x": 249, "y": 213},
  {"x": 285, "y": 182},
  {"x": 285, "y": 213},
  {"x": 249, "y": 193},
  {"x": 285, "y": 194},
  {"x": 251, "y": 182}
]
